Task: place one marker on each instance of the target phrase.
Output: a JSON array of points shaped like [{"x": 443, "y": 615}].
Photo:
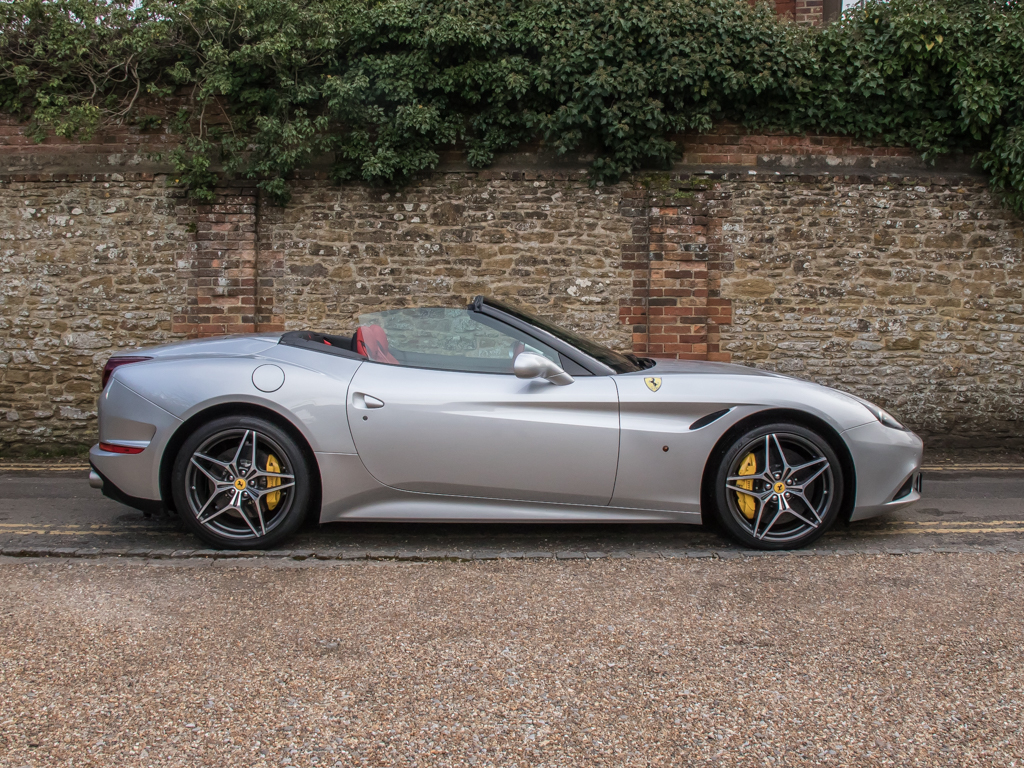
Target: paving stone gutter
[{"x": 432, "y": 556}]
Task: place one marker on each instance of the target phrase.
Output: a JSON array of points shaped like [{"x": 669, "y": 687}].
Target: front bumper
[{"x": 885, "y": 459}]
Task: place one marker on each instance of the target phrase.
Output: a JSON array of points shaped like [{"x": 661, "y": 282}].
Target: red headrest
[{"x": 372, "y": 341}]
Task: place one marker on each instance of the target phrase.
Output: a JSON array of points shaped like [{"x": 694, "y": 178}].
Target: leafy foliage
[
  {"x": 263, "y": 87},
  {"x": 940, "y": 76}
]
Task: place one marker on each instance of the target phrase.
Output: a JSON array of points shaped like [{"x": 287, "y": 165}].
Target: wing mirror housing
[{"x": 530, "y": 366}]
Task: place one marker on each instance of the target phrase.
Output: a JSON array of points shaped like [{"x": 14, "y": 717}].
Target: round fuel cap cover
[{"x": 268, "y": 378}]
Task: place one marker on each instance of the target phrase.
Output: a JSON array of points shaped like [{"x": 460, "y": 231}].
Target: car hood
[
  {"x": 221, "y": 346},
  {"x": 691, "y": 367},
  {"x": 728, "y": 385}
]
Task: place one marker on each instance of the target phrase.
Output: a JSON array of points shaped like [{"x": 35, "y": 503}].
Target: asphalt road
[
  {"x": 184, "y": 660},
  {"x": 58, "y": 509}
]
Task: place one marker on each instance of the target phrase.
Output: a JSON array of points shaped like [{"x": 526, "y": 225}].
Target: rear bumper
[
  {"x": 128, "y": 419},
  {"x": 885, "y": 460},
  {"x": 111, "y": 491}
]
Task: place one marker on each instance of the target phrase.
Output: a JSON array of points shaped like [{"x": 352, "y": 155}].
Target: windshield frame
[{"x": 601, "y": 362}]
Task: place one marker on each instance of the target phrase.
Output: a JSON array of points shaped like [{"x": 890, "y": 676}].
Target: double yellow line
[
  {"x": 895, "y": 528},
  {"x": 43, "y": 467},
  {"x": 936, "y": 528},
  {"x": 32, "y": 529}
]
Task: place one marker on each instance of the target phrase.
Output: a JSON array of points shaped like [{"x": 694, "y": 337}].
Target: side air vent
[
  {"x": 703, "y": 421},
  {"x": 905, "y": 489},
  {"x": 914, "y": 483}
]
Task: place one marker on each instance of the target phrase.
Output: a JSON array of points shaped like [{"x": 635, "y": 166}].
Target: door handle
[{"x": 360, "y": 400}]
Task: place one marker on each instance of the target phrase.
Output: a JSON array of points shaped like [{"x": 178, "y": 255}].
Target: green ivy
[
  {"x": 380, "y": 87},
  {"x": 939, "y": 76}
]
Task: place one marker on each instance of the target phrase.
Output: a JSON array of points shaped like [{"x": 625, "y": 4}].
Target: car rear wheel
[
  {"x": 779, "y": 486},
  {"x": 241, "y": 482}
]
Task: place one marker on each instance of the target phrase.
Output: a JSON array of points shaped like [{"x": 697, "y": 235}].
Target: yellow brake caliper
[
  {"x": 748, "y": 504},
  {"x": 273, "y": 482}
]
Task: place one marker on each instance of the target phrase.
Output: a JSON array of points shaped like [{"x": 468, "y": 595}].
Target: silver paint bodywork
[{"x": 397, "y": 443}]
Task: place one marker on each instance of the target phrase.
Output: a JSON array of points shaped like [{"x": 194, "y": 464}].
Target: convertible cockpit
[{"x": 439, "y": 338}]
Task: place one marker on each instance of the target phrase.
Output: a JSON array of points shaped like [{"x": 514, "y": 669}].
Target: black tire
[
  {"x": 229, "y": 502},
  {"x": 791, "y": 505}
]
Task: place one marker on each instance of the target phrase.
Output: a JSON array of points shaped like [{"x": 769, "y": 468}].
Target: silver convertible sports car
[{"x": 484, "y": 414}]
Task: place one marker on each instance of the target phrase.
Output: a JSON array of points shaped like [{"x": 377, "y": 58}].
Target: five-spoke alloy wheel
[
  {"x": 241, "y": 482},
  {"x": 779, "y": 486}
]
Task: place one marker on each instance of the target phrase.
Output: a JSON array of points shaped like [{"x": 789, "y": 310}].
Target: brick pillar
[
  {"x": 782, "y": 7},
  {"x": 636, "y": 260},
  {"x": 810, "y": 12},
  {"x": 676, "y": 259},
  {"x": 222, "y": 260},
  {"x": 720, "y": 260},
  {"x": 679, "y": 253},
  {"x": 269, "y": 267}
]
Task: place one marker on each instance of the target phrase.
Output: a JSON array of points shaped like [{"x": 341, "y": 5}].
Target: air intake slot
[
  {"x": 703, "y": 421},
  {"x": 905, "y": 489}
]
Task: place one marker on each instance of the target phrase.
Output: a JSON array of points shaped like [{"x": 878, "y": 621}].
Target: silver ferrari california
[{"x": 484, "y": 414}]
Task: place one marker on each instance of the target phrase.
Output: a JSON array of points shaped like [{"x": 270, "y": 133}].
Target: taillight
[
  {"x": 111, "y": 448},
  {"x": 116, "y": 362}
]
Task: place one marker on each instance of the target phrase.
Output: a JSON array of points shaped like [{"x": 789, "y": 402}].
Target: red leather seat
[{"x": 372, "y": 341}]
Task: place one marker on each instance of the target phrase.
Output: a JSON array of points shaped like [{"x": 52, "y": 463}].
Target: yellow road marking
[
  {"x": 59, "y": 532},
  {"x": 934, "y": 531},
  {"x": 80, "y": 527},
  {"x": 969, "y": 467},
  {"x": 946, "y": 523},
  {"x": 999, "y": 526},
  {"x": 44, "y": 467},
  {"x": 924, "y": 526}
]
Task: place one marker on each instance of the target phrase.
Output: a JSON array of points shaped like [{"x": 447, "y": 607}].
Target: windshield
[
  {"x": 445, "y": 339},
  {"x": 616, "y": 361}
]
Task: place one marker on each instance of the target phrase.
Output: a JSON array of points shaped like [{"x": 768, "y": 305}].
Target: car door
[{"x": 488, "y": 435}]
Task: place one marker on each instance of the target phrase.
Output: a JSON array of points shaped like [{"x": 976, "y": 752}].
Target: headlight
[{"x": 884, "y": 416}]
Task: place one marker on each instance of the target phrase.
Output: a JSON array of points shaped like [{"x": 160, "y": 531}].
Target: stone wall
[
  {"x": 907, "y": 292},
  {"x": 549, "y": 240},
  {"x": 853, "y": 265},
  {"x": 88, "y": 266}
]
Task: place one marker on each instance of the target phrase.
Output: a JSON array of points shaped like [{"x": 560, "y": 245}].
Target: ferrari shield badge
[{"x": 653, "y": 383}]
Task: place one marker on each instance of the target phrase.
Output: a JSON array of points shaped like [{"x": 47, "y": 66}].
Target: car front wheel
[
  {"x": 779, "y": 486},
  {"x": 241, "y": 482}
]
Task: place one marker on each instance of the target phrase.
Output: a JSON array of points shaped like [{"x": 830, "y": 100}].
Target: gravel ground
[{"x": 856, "y": 660}]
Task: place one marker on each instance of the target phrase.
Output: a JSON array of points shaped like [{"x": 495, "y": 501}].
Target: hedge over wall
[{"x": 383, "y": 84}]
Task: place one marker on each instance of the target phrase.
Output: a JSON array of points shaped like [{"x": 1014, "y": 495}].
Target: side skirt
[{"x": 351, "y": 493}]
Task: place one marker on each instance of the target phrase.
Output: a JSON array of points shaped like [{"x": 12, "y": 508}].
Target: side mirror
[{"x": 530, "y": 366}]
